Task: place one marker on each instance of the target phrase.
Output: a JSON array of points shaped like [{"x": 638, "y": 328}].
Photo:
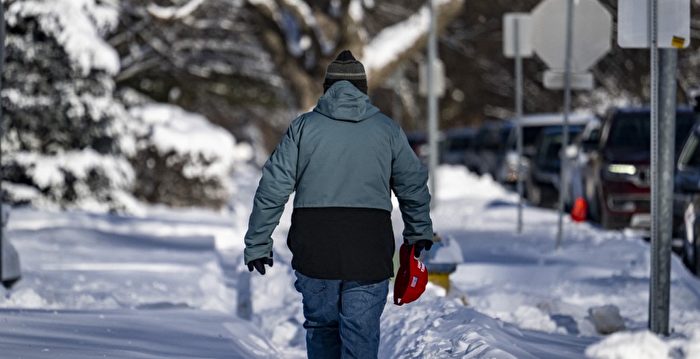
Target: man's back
[
  {"x": 343, "y": 159},
  {"x": 345, "y": 152}
]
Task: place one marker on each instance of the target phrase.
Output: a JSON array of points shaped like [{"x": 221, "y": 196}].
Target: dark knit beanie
[{"x": 346, "y": 67}]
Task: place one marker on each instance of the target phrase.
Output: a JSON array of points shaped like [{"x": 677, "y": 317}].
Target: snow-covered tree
[
  {"x": 252, "y": 65},
  {"x": 69, "y": 142},
  {"x": 63, "y": 140}
]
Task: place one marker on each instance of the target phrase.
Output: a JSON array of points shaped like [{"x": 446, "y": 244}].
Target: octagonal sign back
[{"x": 592, "y": 29}]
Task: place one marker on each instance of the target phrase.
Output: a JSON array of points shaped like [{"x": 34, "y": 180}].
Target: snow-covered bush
[{"x": 181, "y": 159}]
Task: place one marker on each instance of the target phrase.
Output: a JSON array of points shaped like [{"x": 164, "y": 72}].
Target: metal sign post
[
  {"x": 662, "y": 158},
  {"x": 662, "y": 26},
  {"x": 518, "y": 118},
  {"x": 517, "y": 44},
  {"x": 662, "y": 208},
  {"x": 432, "y": 104},
  {"x": 567, "y": 108}
]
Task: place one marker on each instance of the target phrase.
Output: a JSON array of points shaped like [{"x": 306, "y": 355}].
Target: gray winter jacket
[{"x": 345, "y": 153}]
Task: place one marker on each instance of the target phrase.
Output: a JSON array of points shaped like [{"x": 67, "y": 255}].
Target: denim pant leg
[
  {"x": 321, "y": 299},
  {"x": 361, "y": 306}
]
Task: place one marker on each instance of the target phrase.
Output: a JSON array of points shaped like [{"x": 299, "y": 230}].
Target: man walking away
[{"x": 342, "y": 159}]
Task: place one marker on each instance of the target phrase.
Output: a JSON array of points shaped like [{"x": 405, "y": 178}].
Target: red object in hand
[
  {"x": 412, "y": 277},
  {"x": 578, "y": 213}
]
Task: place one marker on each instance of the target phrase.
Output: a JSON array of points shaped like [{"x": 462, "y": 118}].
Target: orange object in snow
[
  {"x": 412, "y": 277},
  {"x": 578, "y": 213}
]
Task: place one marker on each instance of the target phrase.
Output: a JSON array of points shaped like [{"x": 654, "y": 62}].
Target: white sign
[
  {"x": 554, "y": 80},
  {"x": 438, "y": 78},
  {"x": 524, "y": 34},
  {"x": 673, "y": 24},
  {"x": 592, "y": 29}
]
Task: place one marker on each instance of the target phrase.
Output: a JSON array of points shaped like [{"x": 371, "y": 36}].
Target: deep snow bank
[{"x": 525, "y": 281}]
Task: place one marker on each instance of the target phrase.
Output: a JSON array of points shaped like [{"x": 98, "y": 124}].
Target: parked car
[
  {"x": 490, "y": 146},
  {"x": 543, "y": 181},
  {"x": 618, "y": 173},
  {"x": 456, "y": 144},
  {"x": 687, "y": 202},
  {"x": 532, "y": 125}
]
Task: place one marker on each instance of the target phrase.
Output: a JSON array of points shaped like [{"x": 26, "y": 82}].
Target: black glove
[
  {"x": 420, "y": 245},
  {"x": 259, "y": 264}
]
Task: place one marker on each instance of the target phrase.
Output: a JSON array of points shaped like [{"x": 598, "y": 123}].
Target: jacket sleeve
[
  {"x": 409, "y": 179},
  {"x": 276, "y": 185}
]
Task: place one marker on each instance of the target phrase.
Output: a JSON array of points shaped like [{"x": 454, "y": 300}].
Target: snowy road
[{"x": 170, "y": 283}]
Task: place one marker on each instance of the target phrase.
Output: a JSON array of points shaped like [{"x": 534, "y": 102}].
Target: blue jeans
[{"x": 342, "y": 316}]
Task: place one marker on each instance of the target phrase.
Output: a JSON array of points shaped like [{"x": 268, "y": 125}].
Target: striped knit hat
[{"x": 346, "y": 67}]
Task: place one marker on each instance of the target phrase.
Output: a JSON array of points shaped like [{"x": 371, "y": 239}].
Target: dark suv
[
  {"x": 686, "y": 209},
  {"x": 618, "y": 173}
]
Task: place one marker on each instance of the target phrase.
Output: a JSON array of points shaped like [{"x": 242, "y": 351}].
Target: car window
[
  {"x": 548, "y": 153},
  {"x": 633, "y": 131},
  {"x": 630, "y": 132},
  {"x": 530, "y": 134}
]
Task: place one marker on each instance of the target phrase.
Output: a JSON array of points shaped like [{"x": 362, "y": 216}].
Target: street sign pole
[
  {"x": 567, "y": 108},
  {"x": 657, "y": 294},
  {"x": 432, "y": 103},
  {"x": 518, "y": 117},
  {"x": 663, "y": 125},
  {"x": 517, "y": 43},
  {"x": 666, "y": 132},
  {"x": 663, "y": 26}
]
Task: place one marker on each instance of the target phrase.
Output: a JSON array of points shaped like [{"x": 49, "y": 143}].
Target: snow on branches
[{"x": 70, "y": 143}]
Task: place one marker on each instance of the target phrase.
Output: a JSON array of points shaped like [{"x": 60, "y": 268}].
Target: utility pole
[{"x": 432, "y": 103}]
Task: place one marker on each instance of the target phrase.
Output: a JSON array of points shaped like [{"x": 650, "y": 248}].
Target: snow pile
[
  {"x": 437, "y": 327},
  {"x": 597, "y": 282},
  {"x": 645, "y": 345},
  {"x": 640, "y": 345}
]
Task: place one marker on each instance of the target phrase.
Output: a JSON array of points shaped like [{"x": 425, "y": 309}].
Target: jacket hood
[{"x": 343, "y": 101}]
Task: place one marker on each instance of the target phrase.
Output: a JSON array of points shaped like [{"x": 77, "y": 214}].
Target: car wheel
[
  {"x": 607, "y": 221},
  {"x": 604, "y": 220}
]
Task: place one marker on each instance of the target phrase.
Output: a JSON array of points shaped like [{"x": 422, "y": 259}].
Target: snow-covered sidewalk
[
  {"x": 525, "y": 281},
  {"x": 171, "y": 283}
]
